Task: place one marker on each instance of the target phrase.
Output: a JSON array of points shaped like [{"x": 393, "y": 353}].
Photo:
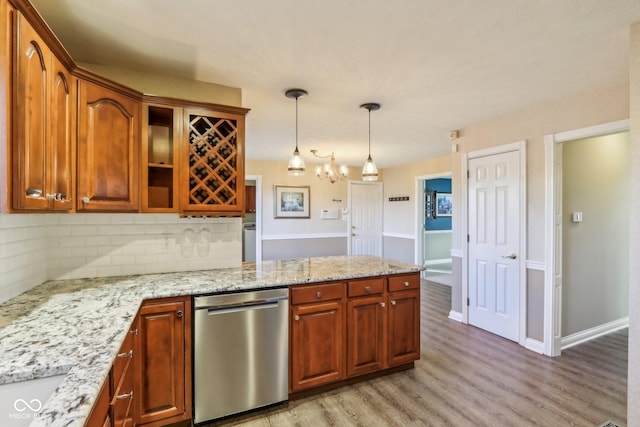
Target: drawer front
[
  {"x": 405, "y": 281},
  {"x": 122, "y": 400},
  {"x": 124, "y": 355},
  {"x": 315, "y": 293},
  {"x": 365, "y": 287}
]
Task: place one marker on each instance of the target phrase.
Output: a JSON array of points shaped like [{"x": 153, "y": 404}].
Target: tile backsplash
[{"x": 34, "y": 248}]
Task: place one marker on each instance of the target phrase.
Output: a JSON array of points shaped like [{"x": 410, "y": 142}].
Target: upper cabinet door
[
  {"x": 61, "y": 137},
  {"x": 108, "y": 147},
  {"x": 32, "y": 64},
  {"x": 213, "y": 174}
]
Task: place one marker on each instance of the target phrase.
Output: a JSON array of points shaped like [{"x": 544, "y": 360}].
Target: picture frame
[
  {"x": 444, "y": 205},
  {"x": 291, "y": 201}
]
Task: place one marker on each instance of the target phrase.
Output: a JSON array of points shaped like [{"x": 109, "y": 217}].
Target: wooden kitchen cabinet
[
  {"x": 108, "y": 150},
  {"x": 122, "y": 395},
  {"x": 43, "y": 124},
  {"x": 100, "y": 416},
  {"x": 114, "y": 406},
  {"x": 161, "y": 134},
  {"x": 250, "y": 199},
  {"x": 366, "y": 326},
  {"x": 380, "y": 330},
  {"x": 162, "y": 382},
  {"x": 403, "y": 337},
  {"x": 212, "y": 173},
  {"x": 317, "y": 351}
]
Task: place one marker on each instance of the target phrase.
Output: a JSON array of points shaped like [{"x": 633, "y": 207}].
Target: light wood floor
[{"x": 468, "y": 377}]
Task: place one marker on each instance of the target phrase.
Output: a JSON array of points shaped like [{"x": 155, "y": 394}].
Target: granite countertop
[{"x": 76, "y": 327}]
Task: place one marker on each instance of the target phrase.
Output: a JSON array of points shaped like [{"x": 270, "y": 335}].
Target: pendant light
[
  {"x": 296, "y": 163},
  {"x": 370, "y": 171}
]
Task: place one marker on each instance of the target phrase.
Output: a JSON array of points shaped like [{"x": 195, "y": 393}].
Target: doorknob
[
  {"x": 512, "y": 256},
  {"x": 353, "y": 234}
]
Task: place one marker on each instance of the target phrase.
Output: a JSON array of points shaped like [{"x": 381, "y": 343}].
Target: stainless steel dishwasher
[{"x": 240, "y": 352}]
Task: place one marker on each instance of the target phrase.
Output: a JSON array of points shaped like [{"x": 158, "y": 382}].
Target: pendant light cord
[
  {"x": 297, "y": 124},
  {"x": 369, "y": 134}
]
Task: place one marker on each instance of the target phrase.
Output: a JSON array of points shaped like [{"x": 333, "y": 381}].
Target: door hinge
[
  {"x": 468, "y": 302},
  {"x": 468, "y": 238},
  {"x": 468, "y": 174}
]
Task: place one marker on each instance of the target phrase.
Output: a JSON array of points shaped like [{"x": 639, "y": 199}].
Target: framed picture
[
  {"x": 444, "y": 205},
  {"x": 291, "y": 202}
]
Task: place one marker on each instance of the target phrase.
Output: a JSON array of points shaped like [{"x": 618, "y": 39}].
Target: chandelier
[{"x": 329, "y": 170}]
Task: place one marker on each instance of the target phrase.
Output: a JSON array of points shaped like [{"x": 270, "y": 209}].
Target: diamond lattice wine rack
[{"x": 216, "y": 173}]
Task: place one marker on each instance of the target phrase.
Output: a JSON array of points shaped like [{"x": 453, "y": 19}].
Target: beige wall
[
  {"x": 399, "y": 217},
  {"x": 532, "y": 124},
  {"x": 633, "y": 395},
  {"x": 595, "y": 252},
  {"x": 168, "y": 85},
  {"x": 324, "y": 195}
]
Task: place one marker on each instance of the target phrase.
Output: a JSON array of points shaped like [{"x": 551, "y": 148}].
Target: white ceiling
[{"x": 434, "y": 65}]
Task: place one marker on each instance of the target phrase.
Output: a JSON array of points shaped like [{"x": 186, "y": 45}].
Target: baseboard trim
[
  {"x": 589, "y": 334},
  {"x": 534, "y": 345},
  {"x": 456, "y": 315}
]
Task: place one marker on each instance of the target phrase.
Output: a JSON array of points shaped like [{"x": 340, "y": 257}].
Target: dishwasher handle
[{"x": 254, "y": 305}]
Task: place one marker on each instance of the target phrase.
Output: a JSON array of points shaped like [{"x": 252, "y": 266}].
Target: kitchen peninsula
[{"x": 76, "y": 327}]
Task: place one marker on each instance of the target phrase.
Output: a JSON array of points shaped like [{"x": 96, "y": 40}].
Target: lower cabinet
[
  {"x": 162, "y": 382},
  {"x": 114, "y": 406},
  {"x": 343, "y": 330},
  {"x": 366, "y": 326},
  {"x": 316, "y": 335},
  {"x": 403, "y": 337}
]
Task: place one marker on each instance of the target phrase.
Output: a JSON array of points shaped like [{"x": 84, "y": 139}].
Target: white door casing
[
  {"x": 553, "y": 227},
  {"x": 420, "y": 215},
  {"x": 365, "y": 218}
]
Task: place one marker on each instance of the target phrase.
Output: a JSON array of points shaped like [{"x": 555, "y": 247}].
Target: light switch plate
[{"x": 576, "y": 217}]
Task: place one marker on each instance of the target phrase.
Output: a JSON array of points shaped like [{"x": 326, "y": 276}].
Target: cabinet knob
[
  {"x": 382, "y": 304},
  {"x": 367, "y": 288},
  {"x": 393, "y": 302},
  {"x": 134, "y": 331},
  {"x": 406, "y": 284},
  {"x": 297, "y": 317},
  {"x": 179, "y": 314},
  {"x": 319, "y": 294},
  {"x": 85, "y": 199}
]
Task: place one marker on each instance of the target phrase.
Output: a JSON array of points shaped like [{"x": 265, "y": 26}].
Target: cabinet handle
[
  {"x": 126, "y": 354},
  {"x": 85, "y": 199},
  {"x": 319, "y": 294},
  {"x": 367, "y": 288},
  {"x": 179, "y": 314},
  {"x": 34, "y": 192},
  {"x": 406, "y": 284},
  {"x": 382, "y": 304},
  {"x": 393, "y": 302},
  {"x": 297, "y": 317},
  {"x": 134, "y": 331},
  {"x": 125, "y": 396}
]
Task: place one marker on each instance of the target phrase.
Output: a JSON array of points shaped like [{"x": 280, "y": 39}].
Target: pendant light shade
[
  {"x": 296, "y": 162},
  {"x": 370, "y": 170}
]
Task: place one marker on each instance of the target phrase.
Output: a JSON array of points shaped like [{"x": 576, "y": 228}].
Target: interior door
[
  {"x": 494, "y": 241},
  {"x": 365, "y": 199}
]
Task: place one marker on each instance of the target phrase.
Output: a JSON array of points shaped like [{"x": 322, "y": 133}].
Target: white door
[
  {"x": 494, "y": 242},
  {"x": 365, "y": 200}
]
